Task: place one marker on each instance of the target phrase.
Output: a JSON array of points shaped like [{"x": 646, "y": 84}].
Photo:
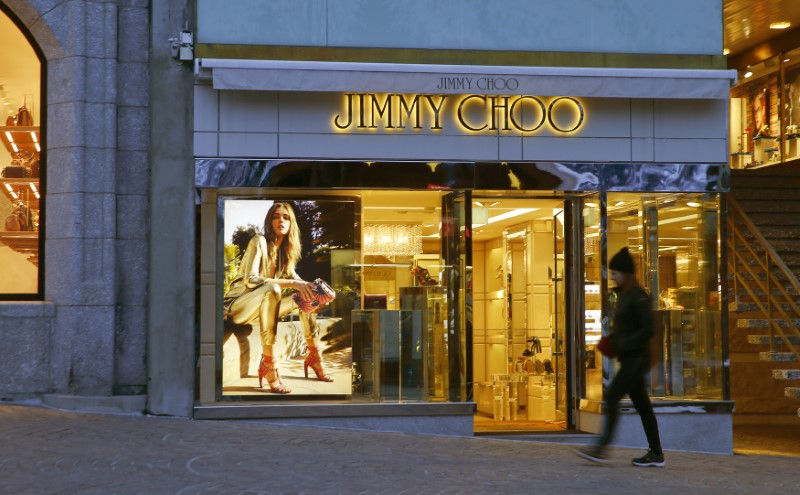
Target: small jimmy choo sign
[{"x": 472, "y": 113}]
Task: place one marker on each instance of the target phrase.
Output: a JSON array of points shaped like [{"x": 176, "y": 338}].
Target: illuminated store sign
[{"x": 472, "y": 113}]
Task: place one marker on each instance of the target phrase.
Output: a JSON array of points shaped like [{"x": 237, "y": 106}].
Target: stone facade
[{"x": 89, "y": 335}]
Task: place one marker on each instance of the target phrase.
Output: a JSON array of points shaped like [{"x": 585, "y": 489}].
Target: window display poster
[
  {"x": 275, "y": 344},
  {"x": 760, "y": 113}
]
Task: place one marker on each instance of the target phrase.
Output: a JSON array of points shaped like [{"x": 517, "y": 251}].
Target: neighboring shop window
[
  {"x": 792, "y": 115},
  {"x": 674, "y": 239},
  {"x": 20, "y": 164},
  {"x": 755, "y": 130}
]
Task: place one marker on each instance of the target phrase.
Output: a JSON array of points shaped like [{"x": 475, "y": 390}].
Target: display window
[
  {"x": 674, "y": 239},
  {"x": 491, "y": 296},
  {"x": 791, "y": 61},
  {"x": 378, "y": 329},
  {"x": 21, "y": 164},
  {"x": 756, "y": 131},
  {"x": 765, "y": 112}
]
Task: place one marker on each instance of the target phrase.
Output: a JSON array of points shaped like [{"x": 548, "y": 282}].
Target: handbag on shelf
[
  {"x": 23, "y": 117},
  {"x": 16, "y": 172},
  {"x": 18, "y": 220},
  {"x": 323, "y": 295},
  {"x": 604, "y": 346}
]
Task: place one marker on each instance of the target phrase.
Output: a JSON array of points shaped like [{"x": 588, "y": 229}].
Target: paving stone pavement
[{"x": 47, "y": 451}]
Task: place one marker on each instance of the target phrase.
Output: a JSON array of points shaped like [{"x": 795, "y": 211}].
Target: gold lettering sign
[{"x": 473, "y": 113}]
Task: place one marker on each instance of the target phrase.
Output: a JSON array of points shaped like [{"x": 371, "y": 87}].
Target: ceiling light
[
  {"x": 780, "y": 25},
  {"x": 748, "y": 73},
  {"x": 480, "y": 216},
  {"x": 511, "y": 214},
  {"x": 725, "y": 51}
]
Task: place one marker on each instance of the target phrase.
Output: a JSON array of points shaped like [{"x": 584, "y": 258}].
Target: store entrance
[{"x": 519, "y": 366}]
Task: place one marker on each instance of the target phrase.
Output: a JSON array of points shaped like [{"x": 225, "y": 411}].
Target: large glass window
[
  {"x": 387, "y": 335},
  {"x": 20, "y": 164},
  {"x": 401, "y": 346},
  {"x": 674, "y": 239}
]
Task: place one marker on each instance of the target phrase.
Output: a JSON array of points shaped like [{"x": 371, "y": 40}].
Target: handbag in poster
[{"x": 323, "y": 295}]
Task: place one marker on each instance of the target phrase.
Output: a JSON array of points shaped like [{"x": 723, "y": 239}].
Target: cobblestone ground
[{"x": 45, "y": 451}]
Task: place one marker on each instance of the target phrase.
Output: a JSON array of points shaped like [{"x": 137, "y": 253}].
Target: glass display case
[
  {"x": 432, "y": 302},
  {"x": 388, "y": 355}
]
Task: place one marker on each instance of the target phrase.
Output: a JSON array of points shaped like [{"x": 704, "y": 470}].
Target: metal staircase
[{"x": 763, "y": 265}]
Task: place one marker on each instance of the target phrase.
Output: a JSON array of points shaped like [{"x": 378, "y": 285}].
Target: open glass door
[{"x": 559, "y": 319}]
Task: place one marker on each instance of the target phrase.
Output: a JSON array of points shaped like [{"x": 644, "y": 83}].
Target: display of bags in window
[
  {"x": 24, "y": 164},
  {"x": 24, "y": 116},
  {"x": 19, "y": 219}
]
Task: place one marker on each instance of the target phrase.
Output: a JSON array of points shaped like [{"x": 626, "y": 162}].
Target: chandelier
[{"x": 392, "y": 239}]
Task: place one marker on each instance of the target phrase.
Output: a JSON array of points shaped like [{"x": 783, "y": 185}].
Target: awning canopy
[{"x": 282, "y": 75}]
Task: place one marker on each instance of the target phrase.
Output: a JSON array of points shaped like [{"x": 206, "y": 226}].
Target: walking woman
[
  {"x": 268, "y": 267},
  {"x": 630, "y": 341}
]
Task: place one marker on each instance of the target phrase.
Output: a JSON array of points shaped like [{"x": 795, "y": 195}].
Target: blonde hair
[{"x": 286, "y": 255}]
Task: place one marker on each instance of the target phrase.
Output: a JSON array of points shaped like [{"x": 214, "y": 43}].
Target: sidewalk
[{"x": 45, "y": 451}]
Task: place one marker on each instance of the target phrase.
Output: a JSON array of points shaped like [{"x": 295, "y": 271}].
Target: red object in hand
[
  {"x": 323, "y": 295},
  {"x": 604, "y": 346}
]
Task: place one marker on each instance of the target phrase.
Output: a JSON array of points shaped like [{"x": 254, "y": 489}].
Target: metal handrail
[{"x": 736, "y": 220}]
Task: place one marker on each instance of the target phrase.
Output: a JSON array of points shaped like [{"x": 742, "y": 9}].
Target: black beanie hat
[{"x": 622, "y": 261}]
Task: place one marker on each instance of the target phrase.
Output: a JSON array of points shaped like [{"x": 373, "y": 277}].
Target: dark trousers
[{"x": 630, "y": 379}]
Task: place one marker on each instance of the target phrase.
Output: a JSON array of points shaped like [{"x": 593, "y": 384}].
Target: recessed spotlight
[
  {"x": 747, "y": 74},
  {"x": 726, "y": 51},
  {"x": 780, "y": 25}
]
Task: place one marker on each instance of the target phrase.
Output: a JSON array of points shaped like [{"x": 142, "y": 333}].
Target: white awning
[{"x": 282, "y": 75}]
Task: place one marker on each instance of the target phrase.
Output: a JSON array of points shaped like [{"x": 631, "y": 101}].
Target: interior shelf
[{"x": 21, "y": 138}]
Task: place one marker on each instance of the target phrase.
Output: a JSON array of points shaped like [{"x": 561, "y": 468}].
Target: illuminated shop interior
[
  {"x": 517, "y": 297},
  {"x": 20, "y": 164}
]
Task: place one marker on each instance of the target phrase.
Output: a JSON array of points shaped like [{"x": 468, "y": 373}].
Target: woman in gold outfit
[{"x": 268, "y": 267}]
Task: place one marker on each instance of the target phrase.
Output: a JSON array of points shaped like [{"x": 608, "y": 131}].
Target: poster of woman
[
  {"x": 760, "y": 113},
  {"x": 286, "y": 304}
]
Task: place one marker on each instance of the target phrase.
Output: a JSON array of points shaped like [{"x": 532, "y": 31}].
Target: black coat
[{"x": 633, "y": 324}]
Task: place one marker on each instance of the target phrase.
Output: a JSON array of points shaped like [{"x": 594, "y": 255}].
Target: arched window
[{"x": 21, "y": 163}]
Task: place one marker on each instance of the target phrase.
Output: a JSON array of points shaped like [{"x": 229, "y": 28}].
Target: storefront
[
  {"x": 764, "y": 120},
  {"x": 471, "y": 289}
]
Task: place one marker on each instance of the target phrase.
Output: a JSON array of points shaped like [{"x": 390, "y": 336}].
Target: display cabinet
[
  {"x": 388, "y": 355},
  {"x": 432, "y": 303},
  {"x": 680, "y": 371}
]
